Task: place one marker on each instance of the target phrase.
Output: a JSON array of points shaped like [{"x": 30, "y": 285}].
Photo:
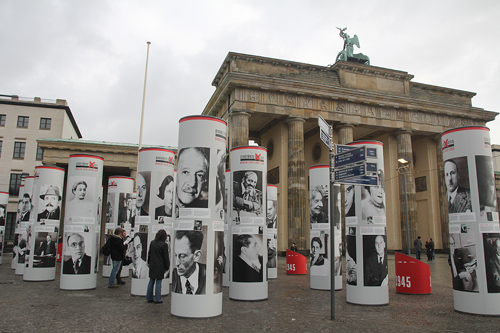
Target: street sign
[
  {"x": 363, "y": 180},
  {"x": 350, "y": 157},
  {"x": 343, "y": 148},
  {"x": 325, "y": 132},
  {"x": 371, "y": 167},
  {"x": 350, "y": 172}
]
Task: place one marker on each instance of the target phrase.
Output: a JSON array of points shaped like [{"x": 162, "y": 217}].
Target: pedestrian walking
[{"x": 417, "y": 243}]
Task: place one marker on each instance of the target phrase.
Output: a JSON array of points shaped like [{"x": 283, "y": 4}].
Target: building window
[
  {"x": 45, "y": 123},
  {"x": 2, "y": 119},
  {"x": 15, "y": 182},
  {"x": 19, "y": 148},
  {"x": 22, "y": 121},
  {"x": 39, "y": 153}
]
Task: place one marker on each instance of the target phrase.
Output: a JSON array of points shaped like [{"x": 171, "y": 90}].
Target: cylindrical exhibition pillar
[
  {"x": 199, "y": 227},
  {"x": 154, "y": 203},
  {"x": 81, "y": 225},
  {"x": 43, "y": 233},
  {"x": 227, "y": 231},
  {"x": 319, "y": 214},
  {"x": 272, "y": 231},
  {"x": 120, "y": 212},
  {"x": 15, "y": 247},
  {"x": 366, "y": 264},
  {"x": 248, "y": 224},
  {"x": 474, "y": 224},
  {"x": 4, "y": 200},
  {"x": 25, "y": 218}
]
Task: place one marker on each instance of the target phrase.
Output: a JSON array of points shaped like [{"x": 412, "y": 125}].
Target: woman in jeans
[{"x": 159, "y": 263}]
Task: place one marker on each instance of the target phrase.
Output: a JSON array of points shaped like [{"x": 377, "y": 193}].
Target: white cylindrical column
[
  {"x": 4, "y": 200},
  {"x": 43, "y": 233},
  {"x": 26, "y": 212},
  {"x": 154, "y": 204},
  {"x": 120, "y": 198},
  {"x": 272, "y": 231},
  {"x": 367, "y": 269},
  {"x": 320, "y": 233},
  {"x": 248, "y": 224},
  {"x": 199, "y": 226},
  {"x": 474, "y": 223},
  {"x": 15, "y": 247},
  {"x": 227, "y": 231},
  {"x": 81, "y": 225}
]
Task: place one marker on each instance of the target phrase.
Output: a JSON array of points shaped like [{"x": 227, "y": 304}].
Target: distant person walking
[
  {"x": 417, "y": 243},
  {"x": 429, "y": 245},
  {"x": 159, "y": 264}
]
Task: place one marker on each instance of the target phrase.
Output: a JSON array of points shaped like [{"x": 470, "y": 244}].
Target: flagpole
[{"x": 143, "y": 99}]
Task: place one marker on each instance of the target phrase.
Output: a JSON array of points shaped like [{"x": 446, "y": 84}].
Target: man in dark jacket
[
  {"x": 118, "y": 247},
  {"x": 159, "y": 263}
]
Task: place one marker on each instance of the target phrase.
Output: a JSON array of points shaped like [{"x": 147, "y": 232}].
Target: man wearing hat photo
[{"x": 51, "y": 202}]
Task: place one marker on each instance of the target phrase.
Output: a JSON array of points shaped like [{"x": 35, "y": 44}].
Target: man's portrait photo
[
  {"x": 192, "y": 177},
  {"x": 50, "y": 204},
  {"x": 77, "y": 262},
  {"x": 126, "y": 211},
  {"x": 272, "y": 252},
  {"x": 142, "y": 199},
  {"x": 491, "y": 244},
  {"x": 486, "y": 185},
  {"x": 247, "y": 258},
  {"x": 456, "y": 175},
  {"x": 220, "y": 182},
  {"x": 375, "y": 260},
  {"x": 2, "y": 215},
  {"x": 45, "y": 249},
  {"x": 190, "y": 274},
  {"x": 272, "y": 214},
  {"x": 166, "y": 195},
  {"x": 349, "y": 200},
  {"x": 109, "y": 208},
  {"x": 218, "y": 261},
  {"x": 140, "y": 269},
  {"x": 351, "y": 268},
  {"x": 80, "y": 203},
  {"x": 318, "y": 205},
  {"x": 247, "y": 193},
  {"x": 26, "y": 207}
]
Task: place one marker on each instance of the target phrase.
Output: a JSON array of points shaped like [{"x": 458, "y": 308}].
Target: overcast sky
[{"x": 93, "y": 53}]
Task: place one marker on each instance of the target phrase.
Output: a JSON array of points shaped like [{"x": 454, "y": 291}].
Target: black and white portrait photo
[
  {"x": 50, "y": 206},
  {"x": 110, "y": 205},
  {"x": 373, "y": 199},
  {"x": 318, "y": 204},
  {"x": 375, "y": 260},
  {"x": 456, "y": 175},
  {"x": 272, "y": 252},
  {"x": 463, "y": 262},
  {"x": 491, "y": 244},
  {"x": 165, "y": 193},
  {"x": 3, "y": 214},
  {"x": 247, "y": 258},
  {"x": 247, "y": 193},
  {"x": 349, "y": 200},
  {"x": 486, "y": 185},
  {"x": 80, "y": 198},
  {"x": 192, "y": 184},
  {"x": 76, "y": 260},
  {"x": 272, "y": 214},
  {"x": 143, "y": 189},
  {"x": 139, "y": 251},
  {"x": 351, "y": 267},
  {"x": 189, "y": 275},
  {"x": 220, "y": 180},
  {"x": 218, "y": 261},
  {"x": 45, "y": 249},
  {"x": 126, "y": 210}
]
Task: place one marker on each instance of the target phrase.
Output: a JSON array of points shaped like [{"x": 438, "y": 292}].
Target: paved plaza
[{"x": 292, "y": 307}]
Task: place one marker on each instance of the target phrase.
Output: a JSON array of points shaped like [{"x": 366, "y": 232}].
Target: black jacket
[
  {"x": 158, "y": 259},
  {"x": 117, "y": 248}
]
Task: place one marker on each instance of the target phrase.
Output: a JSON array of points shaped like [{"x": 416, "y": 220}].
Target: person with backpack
[{"x": 159, "y": 264}]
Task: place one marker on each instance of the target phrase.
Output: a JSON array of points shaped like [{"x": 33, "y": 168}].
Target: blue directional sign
[
  {"x": 363, "y": 180},
  {"x": 350, "y": 172},
  {"x": 343, "y": 148},
  {"x": 350, "y": 157},
  {"x": 371, "y": 167}
]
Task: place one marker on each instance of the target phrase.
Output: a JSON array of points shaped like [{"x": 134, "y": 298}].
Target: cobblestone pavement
[{"x": 292, "y": 307}]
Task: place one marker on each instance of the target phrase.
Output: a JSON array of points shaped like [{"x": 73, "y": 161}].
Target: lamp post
[{"x": 402, "y": 170}]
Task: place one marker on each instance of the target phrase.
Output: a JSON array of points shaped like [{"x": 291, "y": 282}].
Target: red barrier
[
  {"x": 59, "y": 252},
  {"x": 412, "y": 276},
  {"x": 296, "y": 263}
]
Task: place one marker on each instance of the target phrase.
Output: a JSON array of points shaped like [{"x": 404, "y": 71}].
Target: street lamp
[{"x": 405, "y": 164}]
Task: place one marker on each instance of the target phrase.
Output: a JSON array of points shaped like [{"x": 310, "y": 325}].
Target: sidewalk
[{"x": 292, "y": 307}]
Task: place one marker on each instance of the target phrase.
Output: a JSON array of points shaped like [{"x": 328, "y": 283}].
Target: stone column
[
  {"x": 405, "y": 150},
  {"x": 443, "y": 206},
  {"x": 297, "y": 193},
  {"x": 238, "y": 128},
  {"x": 346, "y": 135}
]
